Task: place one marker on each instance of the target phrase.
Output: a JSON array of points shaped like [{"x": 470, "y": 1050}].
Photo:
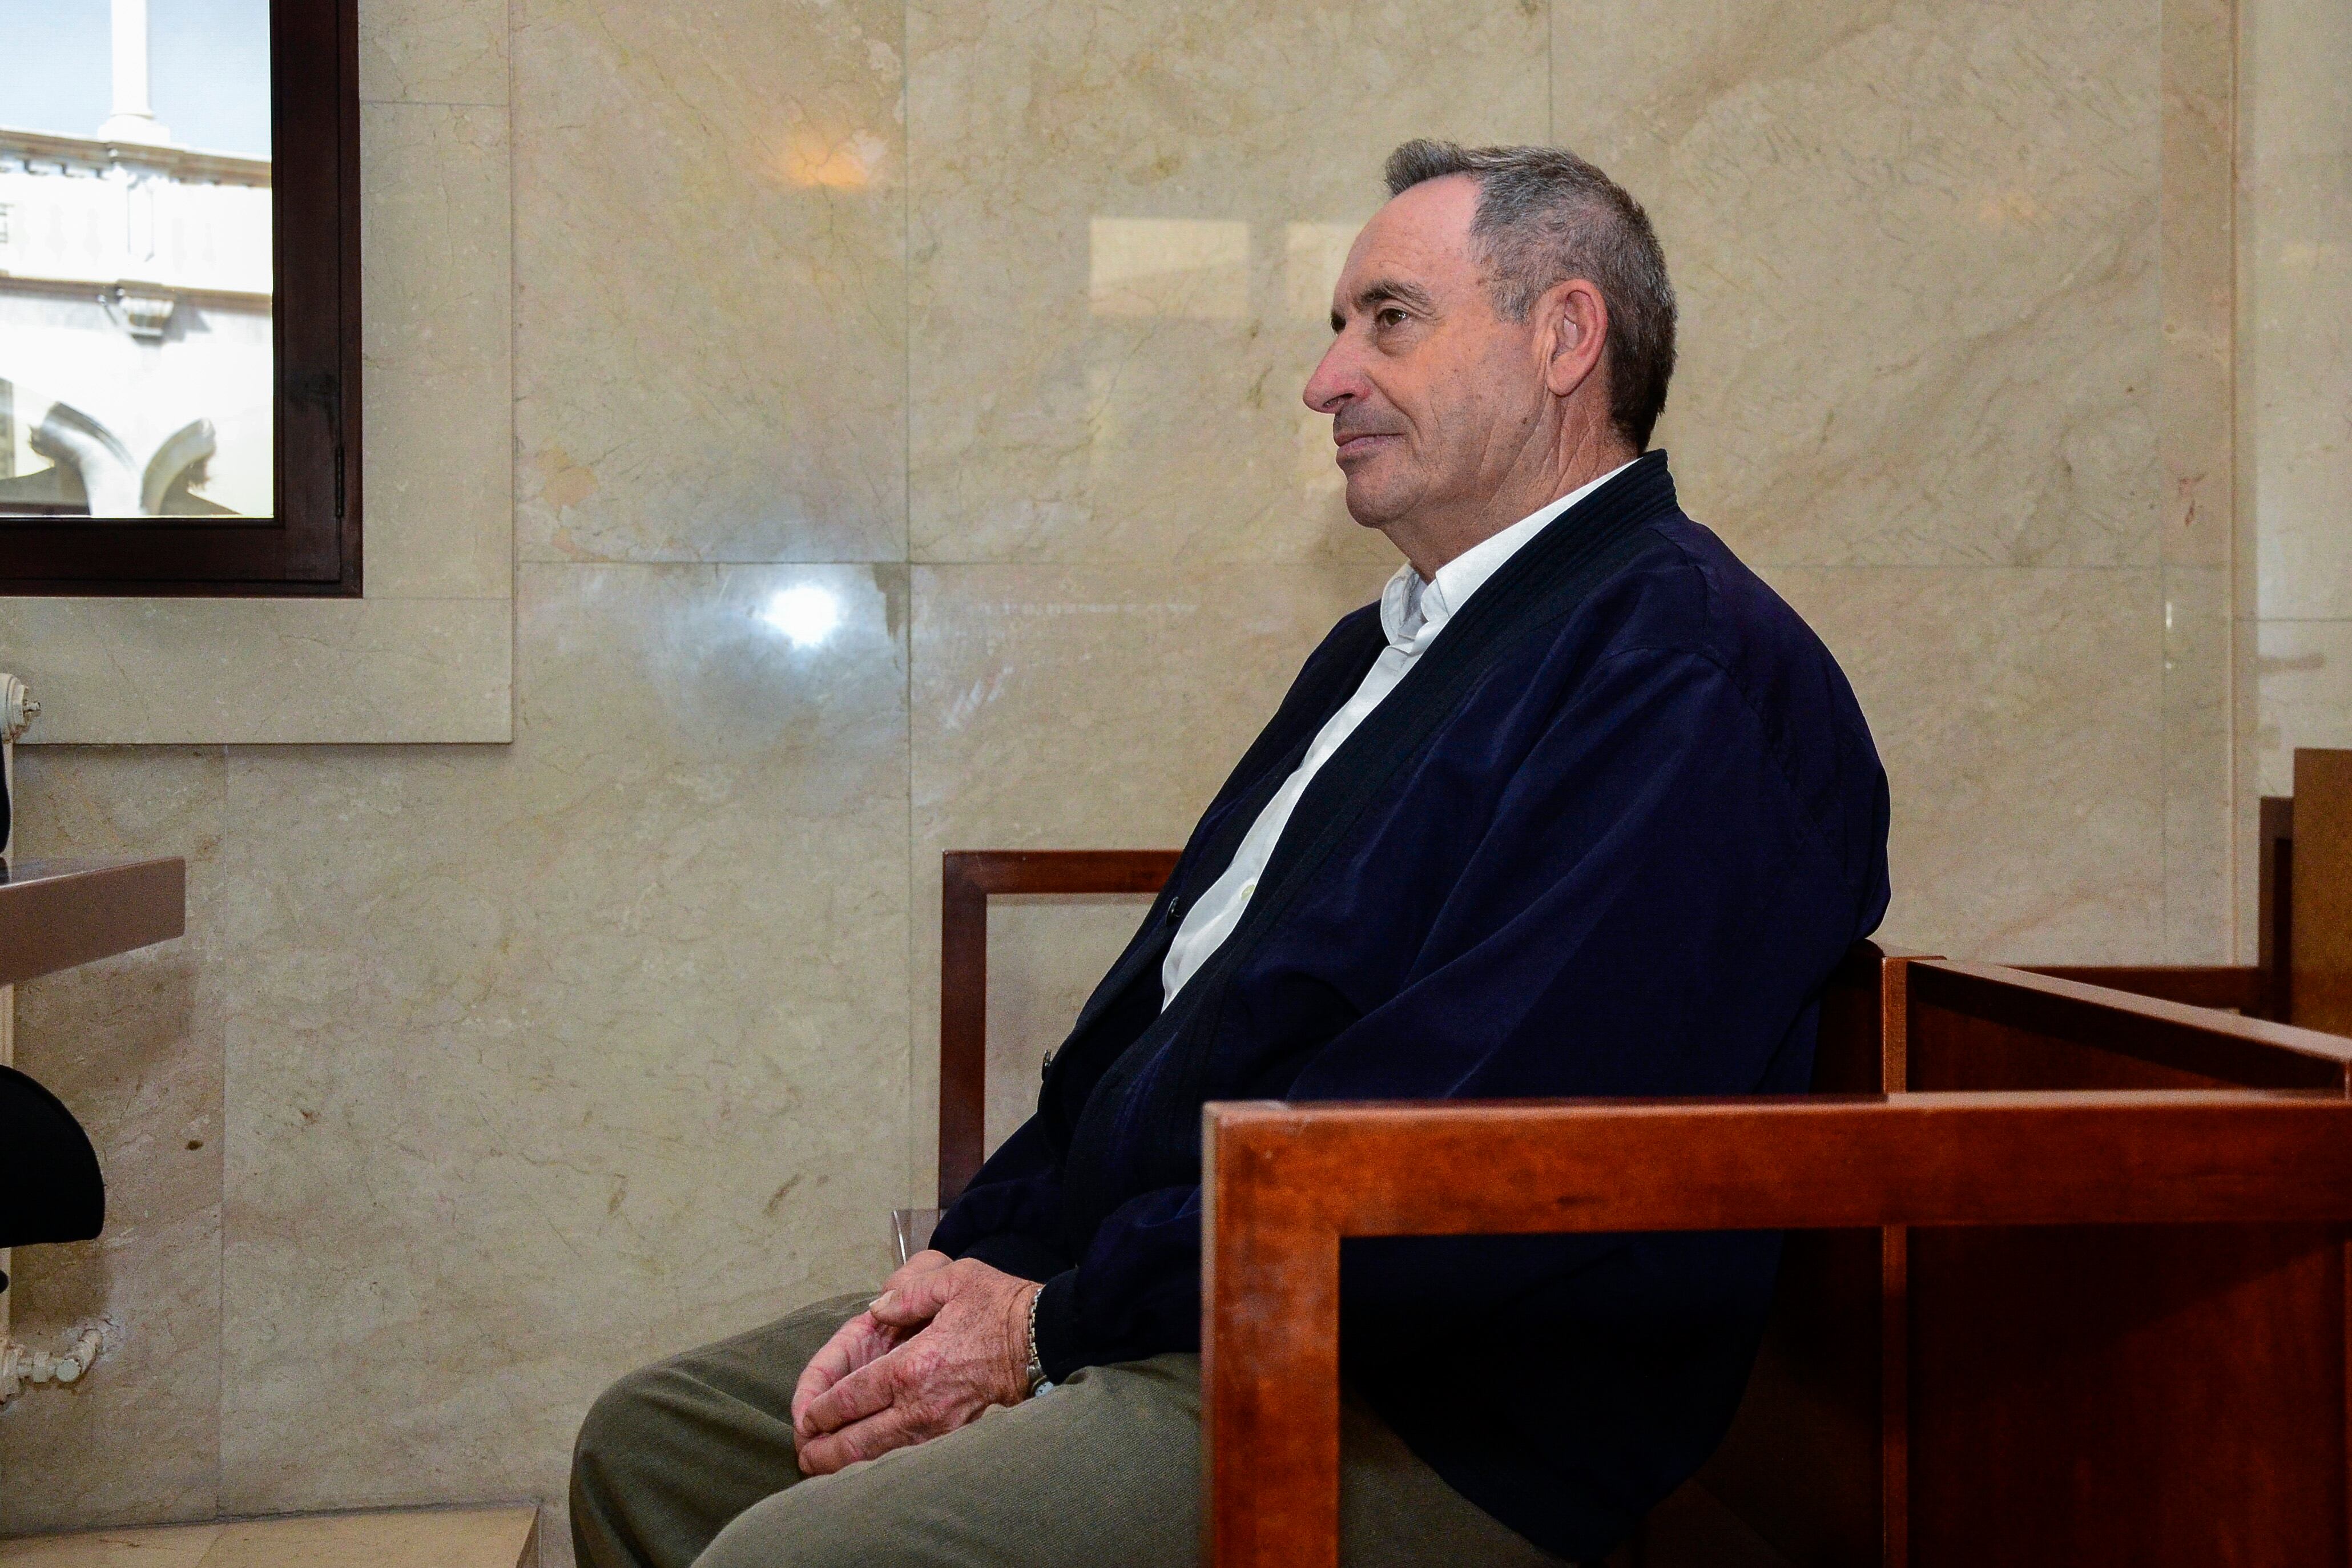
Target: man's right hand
[{"x": 859, "y": 1341}]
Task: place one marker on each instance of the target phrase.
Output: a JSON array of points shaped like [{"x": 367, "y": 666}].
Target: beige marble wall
[
  {"x": 709, "y": 295},
  {"x": 1921, "y": 251},
  {"x": 2294, "y": 387},
  {"x": 979, "y": 329}
]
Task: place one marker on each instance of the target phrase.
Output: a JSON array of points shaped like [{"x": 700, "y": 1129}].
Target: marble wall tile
[
  {"x": 2020, "y": 717},
  {"x": 709, "y": 302},
  {"x": 1045, "y": 955},
  {"x": 2201, "y": 837},
  {"x": 2294, "y": 366},
  {"x": 1124, "y": 228},
  {"x": 437, "y": 347},
  {"x": 133, "y": 1045},
  {"x": 433, "y": 51},
  {"x": 548, "y": 1058},
  {"x": 1084, "y": 708},
  {"x": 2197, "y": 458},
  {"x": 1915, "y": 249},
  {"x": 167, "y": 671},
  {"x": 2296, "y": 171},
  {"x": 2304, "y": 694},
  {"x": 2197, "y": 270}
]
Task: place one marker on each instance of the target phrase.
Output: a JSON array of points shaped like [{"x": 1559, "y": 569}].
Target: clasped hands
[{"x": 944, "y": 1341}]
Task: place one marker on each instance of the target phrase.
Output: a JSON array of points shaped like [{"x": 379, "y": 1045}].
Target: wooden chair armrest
[
  {"x": 2189, "y": 1037},
  {"x": 1282, "y": 1183},
  {"x": 2242, "y": 988}
]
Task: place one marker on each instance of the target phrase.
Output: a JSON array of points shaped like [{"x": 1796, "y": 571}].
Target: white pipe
[{"x": 21, "y": 1364}]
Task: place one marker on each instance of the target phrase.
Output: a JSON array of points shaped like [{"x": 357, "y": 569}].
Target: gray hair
[{"x": 1546, "y": 216}]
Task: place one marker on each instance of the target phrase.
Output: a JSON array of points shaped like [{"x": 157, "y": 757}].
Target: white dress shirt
[{"x": 1412, "y": 613}]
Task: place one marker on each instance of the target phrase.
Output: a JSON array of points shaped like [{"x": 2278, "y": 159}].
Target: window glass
[{"x": 137, "y": 368}]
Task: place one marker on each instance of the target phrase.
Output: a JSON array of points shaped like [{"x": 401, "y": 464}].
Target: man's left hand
[{"x": 972, "y": 1352}]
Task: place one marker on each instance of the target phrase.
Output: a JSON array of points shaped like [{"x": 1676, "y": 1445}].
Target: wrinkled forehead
[{"x": 1419, "y": 238}]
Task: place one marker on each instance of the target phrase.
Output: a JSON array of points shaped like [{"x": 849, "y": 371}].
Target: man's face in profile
[{"x": 1431, "y": 393}]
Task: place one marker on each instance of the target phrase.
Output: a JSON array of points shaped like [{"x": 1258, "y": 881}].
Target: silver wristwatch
[{"x": 1038, "y": 1382}]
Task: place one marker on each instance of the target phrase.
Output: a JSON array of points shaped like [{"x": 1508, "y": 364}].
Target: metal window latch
[{"x": 17, "y": 709}]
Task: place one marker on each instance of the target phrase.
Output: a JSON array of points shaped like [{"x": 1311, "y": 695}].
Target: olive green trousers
[{"x": 690, "y": 1460}]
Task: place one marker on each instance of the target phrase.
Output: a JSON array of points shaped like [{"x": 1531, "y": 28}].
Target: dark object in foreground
[{"x": 51, "y": 1188}]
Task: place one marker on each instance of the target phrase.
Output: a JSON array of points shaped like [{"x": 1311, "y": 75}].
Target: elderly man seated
[{"x": 1579, "y": 808}]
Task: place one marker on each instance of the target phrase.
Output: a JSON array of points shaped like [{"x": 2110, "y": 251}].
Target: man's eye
[{"x": 1389, "y": 316}]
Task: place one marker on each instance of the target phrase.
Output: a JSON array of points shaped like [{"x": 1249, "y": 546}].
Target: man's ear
[{"x": 1574, "y": 322}]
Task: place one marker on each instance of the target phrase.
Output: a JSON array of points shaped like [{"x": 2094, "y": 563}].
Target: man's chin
[{"x": 1373, "y": 506}]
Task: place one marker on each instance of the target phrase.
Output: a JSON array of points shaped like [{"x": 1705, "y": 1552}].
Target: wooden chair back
[
  {"x": 2315, "y": 869},
  {"x": 968, "y": 878}
]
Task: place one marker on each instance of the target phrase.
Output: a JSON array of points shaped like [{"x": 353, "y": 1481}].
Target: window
[{"x": 179, "y": 299}]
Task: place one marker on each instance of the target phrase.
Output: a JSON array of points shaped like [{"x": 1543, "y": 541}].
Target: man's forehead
[{"x": 1421, "y": 236}]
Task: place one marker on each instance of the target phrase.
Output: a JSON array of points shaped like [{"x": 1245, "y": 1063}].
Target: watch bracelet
[{"x": 1036, "y": 1371}]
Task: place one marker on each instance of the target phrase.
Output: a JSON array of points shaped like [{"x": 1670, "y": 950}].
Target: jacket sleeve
[
  {"x": 1135, "y": 1293},
  {"x": 1010, "y": 1214},
  {"x": 1647, "y": 909}
]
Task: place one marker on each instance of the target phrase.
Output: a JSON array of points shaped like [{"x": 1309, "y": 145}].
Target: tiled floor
[{"x": 423, "y": 1538}]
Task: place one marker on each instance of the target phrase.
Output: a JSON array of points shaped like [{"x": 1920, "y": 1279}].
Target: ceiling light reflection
[
  {"x": 842, "y": 163},
  {"x": 806, "y": 614}
]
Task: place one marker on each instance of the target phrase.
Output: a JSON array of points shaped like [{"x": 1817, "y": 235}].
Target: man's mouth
[{"x": 1362, "y": 444}]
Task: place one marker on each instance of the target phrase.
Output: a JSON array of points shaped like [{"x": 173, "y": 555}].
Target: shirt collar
[{"x": 1413, "y": 610}]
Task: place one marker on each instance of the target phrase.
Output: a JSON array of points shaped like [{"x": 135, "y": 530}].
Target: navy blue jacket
[{"x": 1608, "y": 836}]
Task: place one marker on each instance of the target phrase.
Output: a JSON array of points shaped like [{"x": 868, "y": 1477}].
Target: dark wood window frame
[{"x": 312, "y": 547}]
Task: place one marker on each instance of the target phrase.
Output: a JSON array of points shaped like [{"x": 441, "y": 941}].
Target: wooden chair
[
  {"x": 968, "y": 879},
  {"x": 2069, "y": 1288},
  {"x": 1978, "y": 1391}
]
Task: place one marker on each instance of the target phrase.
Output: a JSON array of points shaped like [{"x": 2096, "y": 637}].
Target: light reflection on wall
[
  {"x": 846, "y": 161},
  {"x": 1196, "y": 268},
  {"x": 1203, "y": 333},
  {"x": 806, "y": 614},
  {"x": 1313, "y": 256}
]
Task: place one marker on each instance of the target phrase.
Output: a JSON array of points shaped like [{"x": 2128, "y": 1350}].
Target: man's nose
[{"x": 1335, "y": 380}]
